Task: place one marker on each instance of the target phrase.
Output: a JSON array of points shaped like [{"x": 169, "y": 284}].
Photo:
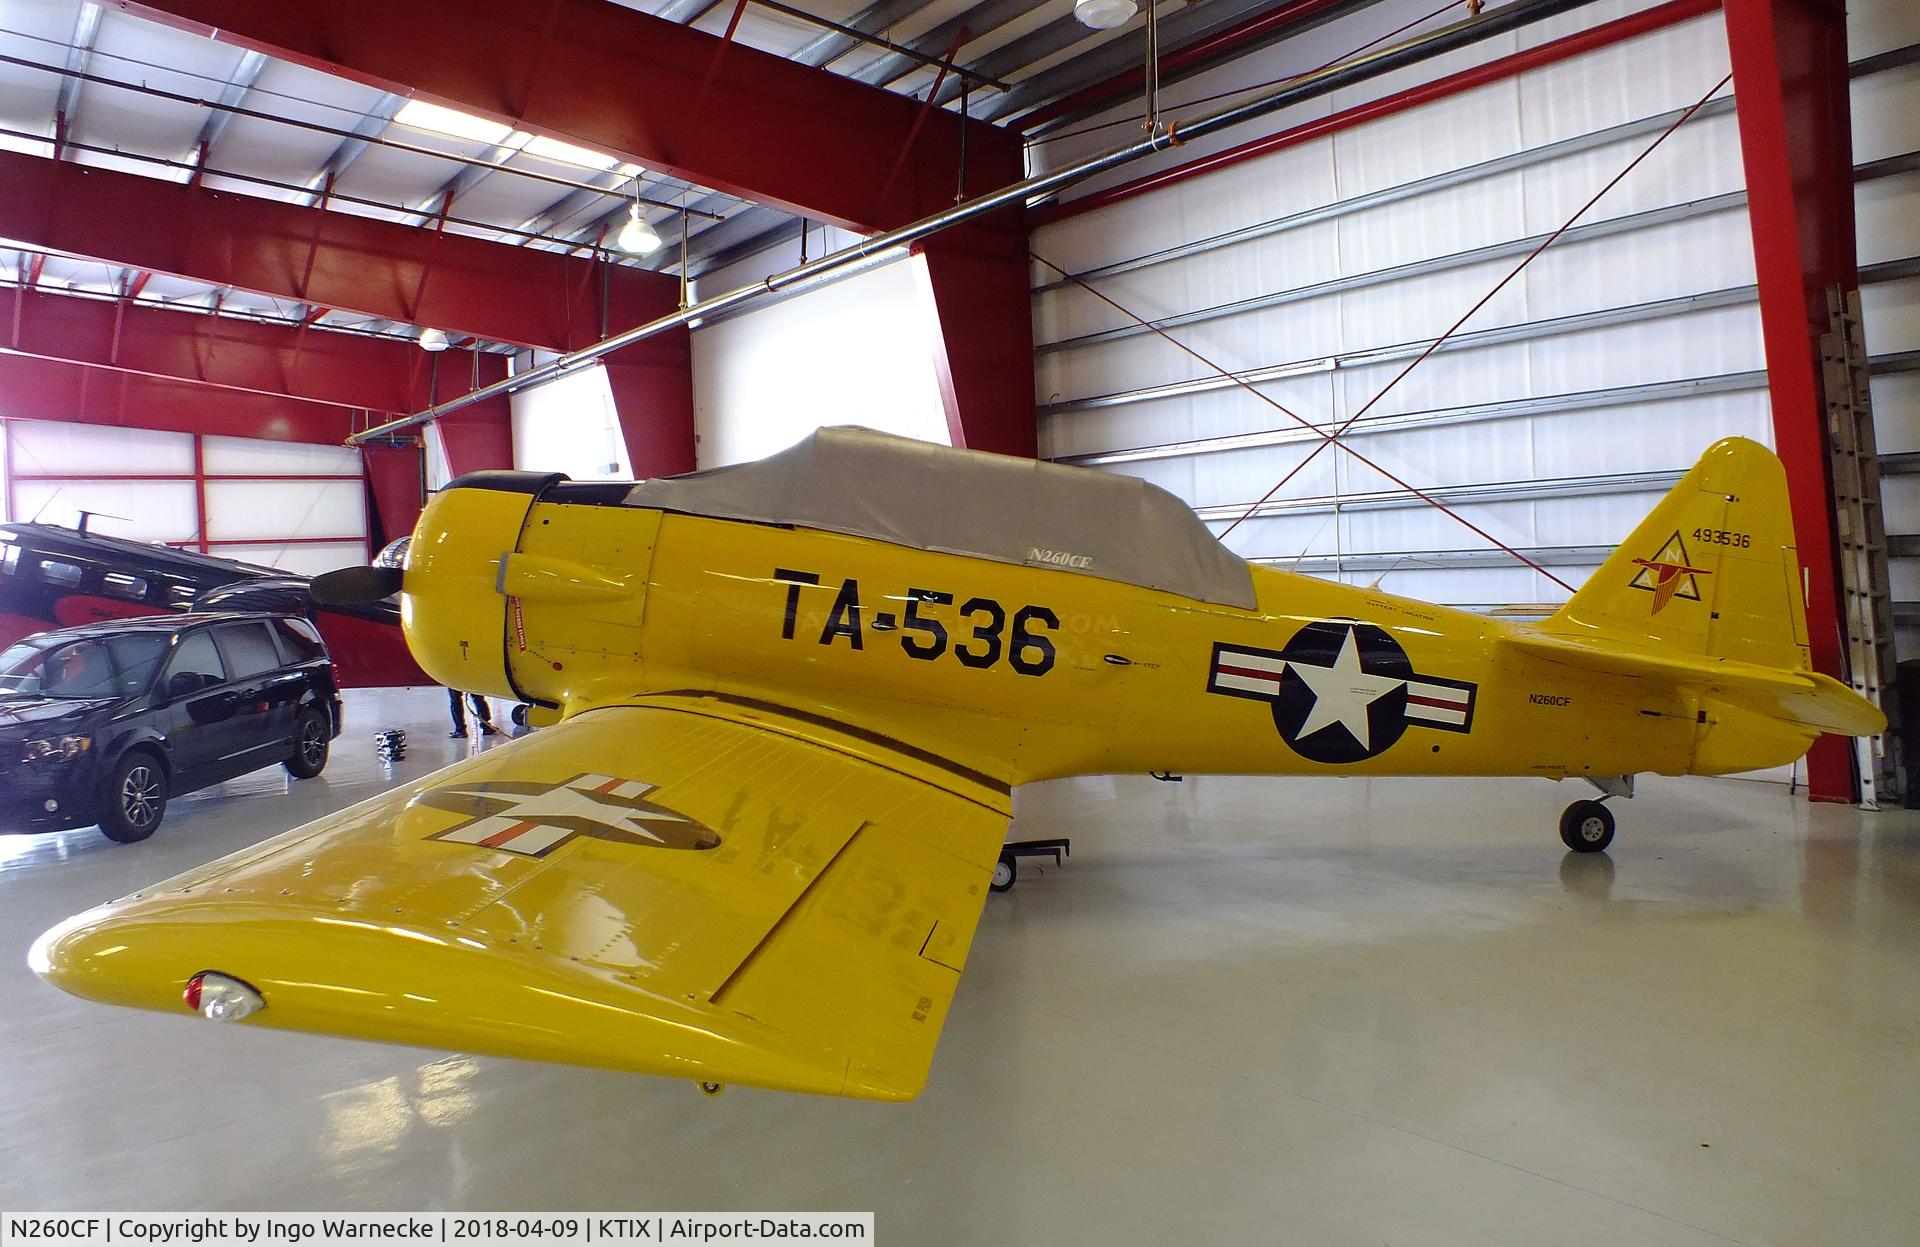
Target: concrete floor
[{"x": 1322, "y": 1012}]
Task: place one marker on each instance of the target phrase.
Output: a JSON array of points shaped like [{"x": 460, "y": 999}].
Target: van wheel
[
  {"x": 136, "y": 798},
  {"x": 310, "y": 745}
]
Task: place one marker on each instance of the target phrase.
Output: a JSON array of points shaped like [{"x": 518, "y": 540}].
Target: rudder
[{"x": 1711, "y": 571}]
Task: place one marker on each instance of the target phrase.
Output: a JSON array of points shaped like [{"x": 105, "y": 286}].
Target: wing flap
[{"x": 641, "y": 887}]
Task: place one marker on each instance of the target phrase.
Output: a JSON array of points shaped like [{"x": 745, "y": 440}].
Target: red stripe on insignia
[
  {"x": 499, "y": 838},
  {"x": 1435, "y": 702},
  {"x": 610, "y": 785},
  {"x": 1251, "y": 673}
]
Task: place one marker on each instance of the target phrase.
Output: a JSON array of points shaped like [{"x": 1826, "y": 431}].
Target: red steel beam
[
  {"x": 330, "y": 259},
  {"x": 621, "y": 81},
  {"x": 1604, "y": 35},
  {"x": 983, "y": 364},
  {"x": 41, "y": 389},
  {"x": 381, "y": 375},
  {"x": 200, "y": 490},
  {"x": 395, "y": 490},
  {"x": 651, "y": 381},
  {"x": 477, "y": 439},
  {"x": 676, "y": 100},
  {"x": 1790, "y": 76}
]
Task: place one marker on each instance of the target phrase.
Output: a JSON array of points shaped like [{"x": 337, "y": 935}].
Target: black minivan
[{"x": 102, "y": 723}]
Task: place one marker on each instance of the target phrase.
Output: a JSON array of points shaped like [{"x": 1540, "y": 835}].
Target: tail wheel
[
  {"x": 1005, "y": 873},
  {"x": 136, "y": 799},
  {"x": 311, "y": 744},
  {"x": 1586, "y": 827}
]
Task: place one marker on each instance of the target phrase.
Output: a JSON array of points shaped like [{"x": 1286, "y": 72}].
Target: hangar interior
[{"x": 270, "y": 276}]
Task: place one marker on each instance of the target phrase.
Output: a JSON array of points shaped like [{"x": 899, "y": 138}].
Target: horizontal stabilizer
[{"x": 1808, "y": 698}]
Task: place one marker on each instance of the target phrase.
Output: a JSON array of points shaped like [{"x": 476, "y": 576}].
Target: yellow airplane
[{"x": 784, "y": 705}]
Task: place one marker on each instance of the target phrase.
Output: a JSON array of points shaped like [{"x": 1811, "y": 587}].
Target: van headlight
[{"x": 54, "y": 748}]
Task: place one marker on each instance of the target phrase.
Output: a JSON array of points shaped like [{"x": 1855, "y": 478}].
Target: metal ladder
[{"x": 1867, "y": 600}]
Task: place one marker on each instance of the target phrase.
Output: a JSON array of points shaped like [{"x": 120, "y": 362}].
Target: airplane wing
[
  {"x": 1806, "y": 697},
  {"x": 694, "y": 886}
]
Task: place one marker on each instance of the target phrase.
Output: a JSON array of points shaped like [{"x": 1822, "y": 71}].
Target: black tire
[
  {"x": 1005, "y": 874},
  {"x": 518, "y": 715},
  {"x": 136, "y": 798},
  {"x": 1586, "y": 827},
  {"x": 312, "y": 742}
]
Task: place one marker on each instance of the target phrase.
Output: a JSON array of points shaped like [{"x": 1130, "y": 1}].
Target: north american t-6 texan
[{"x": 782, "y": 708}]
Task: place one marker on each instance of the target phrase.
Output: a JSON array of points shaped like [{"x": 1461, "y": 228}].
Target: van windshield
[{"x": 116, "y": 667}]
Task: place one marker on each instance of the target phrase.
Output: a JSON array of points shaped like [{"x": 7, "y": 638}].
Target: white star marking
[
  {"x": 544, "y": 808},
  {"x": 1342, "y": 693}
]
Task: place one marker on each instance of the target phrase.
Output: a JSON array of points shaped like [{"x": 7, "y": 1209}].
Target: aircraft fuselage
[{"x": 1023, "y": 672}]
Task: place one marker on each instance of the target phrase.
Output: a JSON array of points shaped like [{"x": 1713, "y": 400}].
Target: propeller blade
[{"x": 356, "y": 586}]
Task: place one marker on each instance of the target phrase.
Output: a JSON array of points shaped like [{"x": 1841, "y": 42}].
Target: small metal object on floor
[{"x": 390, "y": 744}]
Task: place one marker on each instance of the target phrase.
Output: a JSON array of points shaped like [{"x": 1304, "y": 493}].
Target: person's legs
[
  {"x": 483, "y": 714},
  {"x": 458, "y": 712}
]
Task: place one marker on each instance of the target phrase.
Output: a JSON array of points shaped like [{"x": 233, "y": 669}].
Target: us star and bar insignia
[
  {"x": 1342, "y": 690},
  {"x": 534, "y": 819}
]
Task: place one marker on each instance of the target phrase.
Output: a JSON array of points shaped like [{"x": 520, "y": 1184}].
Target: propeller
[{"x": 356, "y": 586}]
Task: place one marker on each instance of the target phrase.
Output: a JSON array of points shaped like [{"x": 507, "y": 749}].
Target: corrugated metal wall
[{"x": 1562, "y": 410}]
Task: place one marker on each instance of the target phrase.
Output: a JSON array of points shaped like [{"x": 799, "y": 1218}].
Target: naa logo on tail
[{"x": 1667, "y": 575}]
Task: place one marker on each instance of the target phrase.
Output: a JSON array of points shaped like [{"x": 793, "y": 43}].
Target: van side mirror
[{"x": 183, "y": 684}]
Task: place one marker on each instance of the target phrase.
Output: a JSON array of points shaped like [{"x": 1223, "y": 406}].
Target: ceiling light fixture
[
  {"x": 636, "y": 236},
  {"x": 433, "y": 340},
  {"x": 1105, "y": 14}
]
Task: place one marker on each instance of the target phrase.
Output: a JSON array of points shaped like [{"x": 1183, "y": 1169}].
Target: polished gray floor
[{"x": 1327, "y": 1012}]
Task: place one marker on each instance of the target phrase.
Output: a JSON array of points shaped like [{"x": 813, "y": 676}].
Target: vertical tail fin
[{"x": 1711, "y": 572}]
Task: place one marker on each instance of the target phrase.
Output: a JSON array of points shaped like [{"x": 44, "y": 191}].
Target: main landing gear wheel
[
  {"x": 1005, "y": 873},
  {"x": 1586, "y": 827},
  {"x": 711, "y": 1089}
]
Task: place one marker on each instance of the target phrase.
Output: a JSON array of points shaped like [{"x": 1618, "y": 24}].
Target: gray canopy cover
[{"x": 854, "y": 480}]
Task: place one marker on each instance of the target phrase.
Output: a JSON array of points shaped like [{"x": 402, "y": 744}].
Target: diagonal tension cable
[
  {"x": 1326, "y": 437},
  {"x": 1485, "y": 299},
  {"x": 1333, "y": 436}
]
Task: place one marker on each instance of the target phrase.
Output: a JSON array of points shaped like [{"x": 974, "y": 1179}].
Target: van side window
[
  {"x": 134, "y": 658},
  {"x": 195, "y": 665},
  {"x": 59, "y": 573},
  {"x": 121, "y": 585},
  {"x": 248, "y": 649},
  {"x": 10, "y": 561},
  {"x": 298, "y": 640}
]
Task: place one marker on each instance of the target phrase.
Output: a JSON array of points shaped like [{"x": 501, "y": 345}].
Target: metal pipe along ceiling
[{"x": 836, "y": 266}]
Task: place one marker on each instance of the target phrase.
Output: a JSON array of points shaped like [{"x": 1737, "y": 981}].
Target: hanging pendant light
[
  {"x": 1105, "y": 14},
  {"x": 636, "y": 236},
  {"x": 433, "y": 340}
]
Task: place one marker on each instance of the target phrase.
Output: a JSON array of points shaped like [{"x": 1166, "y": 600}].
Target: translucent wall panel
[
  {"x": 439, "y": 467},
  {"x": 42, "y": 447},
  {"x": 246, "y": 456},
  {"x": 139, "y": 510},
  {"x": 303, "y": 559},
  {"x": 569, "y": 425},
  {"x": 267, "y": 509},
  {"x": 262, "y": 493},
  {"x": 857, "y": 352}
]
